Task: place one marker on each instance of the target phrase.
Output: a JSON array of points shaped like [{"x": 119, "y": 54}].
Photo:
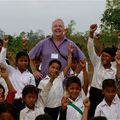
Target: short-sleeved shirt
[
  {"x": 47, "y": 50},
  {"x": 28, "y": 114},
  {"x": 111, "y": 112},
  {"x": 56, "y": 92},
  {"x": 73, "y": 114}
]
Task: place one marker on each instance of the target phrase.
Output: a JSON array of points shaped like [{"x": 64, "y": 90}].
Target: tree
[{"x": 111, "y": 16}]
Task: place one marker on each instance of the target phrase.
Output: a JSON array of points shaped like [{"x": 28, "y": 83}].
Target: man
[{"x": 54, "y": 47}]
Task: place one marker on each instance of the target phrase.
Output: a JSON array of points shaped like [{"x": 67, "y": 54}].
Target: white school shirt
[
  {"x": 56, "y": 92},
  {"x": 100, "y": 73},
  {"x": 19, "y": 80},
  {"x": 73, "y": 114},
  {"x": 28, "y": 114},
  {"x": 111, "y": 112}
]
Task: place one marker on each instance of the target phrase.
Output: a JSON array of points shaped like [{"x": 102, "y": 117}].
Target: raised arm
[
  {"x": 69, "y": 62},
  {"x": 85, "y": 76},
  {"x": 90, "y": 45},
  {"x": 11, "y": 90}
]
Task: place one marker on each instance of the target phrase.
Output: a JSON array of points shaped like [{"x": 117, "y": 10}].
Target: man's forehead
[{"x": 58, "y": 21}]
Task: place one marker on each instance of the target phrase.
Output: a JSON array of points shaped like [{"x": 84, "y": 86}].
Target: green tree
[{"x": 111, "y": 17}]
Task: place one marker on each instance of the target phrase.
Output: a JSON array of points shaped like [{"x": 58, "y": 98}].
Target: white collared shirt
[
  {"x": 56, "y": 92},
  {"x": 19, "y": 80},
  {"x": 111, "y": 112},
  {"x": 73, "y": 114},
  {"x": 100, "y": 73},
  {"x": 28, "y": 114}
]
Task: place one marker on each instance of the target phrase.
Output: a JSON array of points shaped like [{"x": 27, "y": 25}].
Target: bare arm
[{"x": 69, "y": 62}]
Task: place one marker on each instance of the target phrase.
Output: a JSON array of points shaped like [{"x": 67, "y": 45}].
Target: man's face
[{"x": 58, "y": 28}]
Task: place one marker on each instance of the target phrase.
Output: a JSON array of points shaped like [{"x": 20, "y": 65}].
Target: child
[
  {"x": 75, "y": 110},
  {"x": 8, "y": 112},
  {"x": 103, "y": 69},
  {"x": 109, "y": 107},
  {"x": 30, "y": 96},
  {"x": 53, "y": 100},
  {"x": 11, "y": 91},
  {"x": 19, "y": 76},
  {"x": 79, "y": 69}
]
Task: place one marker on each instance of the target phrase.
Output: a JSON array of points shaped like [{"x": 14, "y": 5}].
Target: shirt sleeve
[
  {"x": 37, "y": 50},
  {"x": 97, "y": 111},
  {"x": 3, "y": 60},
  {"x": 91, "y": 52},
  {"x": 78, "y": 53},
  {"x": 10, "y": 97},
  {"x": 21, "y": 115}
]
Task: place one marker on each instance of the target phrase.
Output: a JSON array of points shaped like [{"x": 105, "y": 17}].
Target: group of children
[{"x": 25, "y": 101}]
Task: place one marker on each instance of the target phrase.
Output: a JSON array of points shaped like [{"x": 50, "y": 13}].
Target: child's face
[
  {"x": 22, "y": 63},
  {"x": 54, "y": 69},
  {"x": 109, "y": 93},
  {"x": 74, "y": 90},
  {"x": 6, "y": 116},
  {"x": 105, "y": 58},
  {"x": 30, "y": 100}
]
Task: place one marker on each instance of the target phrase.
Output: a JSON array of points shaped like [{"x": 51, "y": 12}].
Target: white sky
[{"x": 23, "y": 15}]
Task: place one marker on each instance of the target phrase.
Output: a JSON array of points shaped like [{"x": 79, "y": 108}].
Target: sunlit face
[
  {"x": 30, "y": 100},
  {"x": 58, "y": 28},
  {"x": 109, "y": 93},
  {"x": 105, "y": 58},
  {"x": 22, "y": 63},
  {"x": 54, "y": 69},
  {"x": 74, "y": 90},
  {"x": 6, "y": 116}
]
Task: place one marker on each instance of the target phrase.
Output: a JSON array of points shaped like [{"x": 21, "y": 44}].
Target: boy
[
  {"x": 30, "y": 96},
  {"x": 109, "y": 107},
  {"x": 53, "y": 100}
]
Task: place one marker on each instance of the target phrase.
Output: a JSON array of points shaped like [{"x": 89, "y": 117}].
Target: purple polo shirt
[{"x": 45, "y": 48}]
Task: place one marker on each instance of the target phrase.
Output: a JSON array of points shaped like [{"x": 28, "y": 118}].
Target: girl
[
  {"x": 19, "y": 76},
  {"x": 72, "y": 103}
]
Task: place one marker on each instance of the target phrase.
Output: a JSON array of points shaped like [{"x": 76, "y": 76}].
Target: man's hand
[{"x": 37, "y": 75}]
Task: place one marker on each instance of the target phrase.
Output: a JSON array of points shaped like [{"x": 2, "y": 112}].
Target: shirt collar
[
  {"x": 104, "y": 103},
  {"x": 28, "y": 110},
  {"x": 63, "y": 38}
]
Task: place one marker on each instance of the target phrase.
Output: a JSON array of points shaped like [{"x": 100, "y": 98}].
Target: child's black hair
[
  {"x": 20, "y": 54},
  {"x": 108, "y": 83},
  {"x": 73, "y": 79},
  {"x": 55, "y": 61},
  {"x": 111, "y": 51},
  {"x": 29, "y": 89},
  {"x": 99, "y": 118},
  {"x": 43, "y": 117},
  {"x": 9, "y": 108},
  {"x": 3, "y": 92}
]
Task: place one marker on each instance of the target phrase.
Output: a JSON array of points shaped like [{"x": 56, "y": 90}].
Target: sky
[{"x": 24, "y": 15}]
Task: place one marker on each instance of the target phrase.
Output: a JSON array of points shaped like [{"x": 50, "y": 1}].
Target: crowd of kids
[{"x": 61, "y": 94}]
